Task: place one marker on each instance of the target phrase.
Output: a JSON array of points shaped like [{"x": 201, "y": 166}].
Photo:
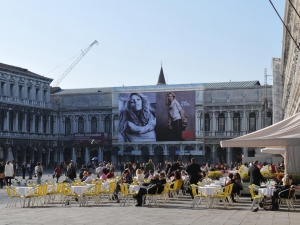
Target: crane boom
[{"x": 74, "y": 63}]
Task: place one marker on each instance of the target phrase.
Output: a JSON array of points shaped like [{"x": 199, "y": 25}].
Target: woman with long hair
[
  {"x": 137, "y": 120},
  {"x": 175, "y": 116}
]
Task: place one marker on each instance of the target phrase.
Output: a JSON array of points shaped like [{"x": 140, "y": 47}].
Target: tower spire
[{"x": 161, "y": 78}]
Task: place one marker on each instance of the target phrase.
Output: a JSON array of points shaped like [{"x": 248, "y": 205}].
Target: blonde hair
[
  {"x": 138, "y": 171},
  {"x": 286, "y": 181}
]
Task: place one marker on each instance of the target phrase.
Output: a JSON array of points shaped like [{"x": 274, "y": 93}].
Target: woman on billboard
[
  {"x": 137, "y": 120},
  {"x": 177, "y": 120}
]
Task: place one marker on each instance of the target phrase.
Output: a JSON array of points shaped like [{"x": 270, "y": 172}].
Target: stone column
[
  {"x": 229, "y": 129},
  {"x": 259, "y": 124},
  {"x": 245, "y": 152},
  {"x": 74, "y": 123},
  {"x": 25, "y": 123},
  {"x": 74, "y": 158},
  {"x": 214, "y": 154},
  {"x": 213, "y": 124},
  {"x": 100, "y": 154},
  {"x": 33, "y": 123},
  {"x": 41, "y": 124},
  {"x": 244, "y": 122},
  {"x": 87, "y": 156},
  {"x": 7, "y": 121},
  {"x": 16, "y": 123},
  {"x": 229, "y": 156}
]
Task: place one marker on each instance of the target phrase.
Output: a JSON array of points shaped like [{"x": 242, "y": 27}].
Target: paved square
[{"x": 175, "y": 212}]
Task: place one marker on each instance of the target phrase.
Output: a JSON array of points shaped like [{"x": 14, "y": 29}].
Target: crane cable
[{"x": 63, "y": 63}]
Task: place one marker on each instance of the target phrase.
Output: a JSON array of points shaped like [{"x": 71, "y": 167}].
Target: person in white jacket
[{"x": 8, "y": 172}]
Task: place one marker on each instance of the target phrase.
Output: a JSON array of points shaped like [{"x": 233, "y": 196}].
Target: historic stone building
[
  {"x": 287, "y": 70},
  {"x": 39, "y": 125},
  {"x": 26, "y": 116}
]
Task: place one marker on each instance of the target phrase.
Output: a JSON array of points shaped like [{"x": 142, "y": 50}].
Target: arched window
[
  {"x": 269, "y": 119},
  {"x": 107, "y": 124},
  {"x": 68, "y": 126},
  {"x": 116, "y": 123},
  {"x": 11, "y": 120},
  {"x": 252, "y": 122},
  {"x": 20, "y": 121},
  {"x": 221, "y": 122},
  {"x": 207, "y": 122},
  {"x": 236, "y": 122},
  {"x": 80, "y": 125},
  {"x": 37, "y": 123},
  {"x": 94, "y": 124}
]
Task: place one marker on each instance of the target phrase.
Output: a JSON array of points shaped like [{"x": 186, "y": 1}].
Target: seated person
[
  {"x": 88, "y": 178},
  {"x": 126, "y": 178},
  {"x": 111, "y": 174},
  {"x": 102, "y": 175},
  {"x": 156, "y": 185},
  {"x": 151, "y": 174},
  {"x": 84, "y": 175},
  {"x": 283, "y": 191},
  {"x": 139, "y": 175},
  {"x": 176, "y": 176},
  {"x": 231, "y": 181},
  {"x": 183, "y": 175}
]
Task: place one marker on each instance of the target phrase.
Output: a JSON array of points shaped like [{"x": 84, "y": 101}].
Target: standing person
[
  {"x": 9, "y": 172},
  {"x": 177, "y": 120},
  {"x": 168, "y": 168},
  {"x": 38, "y": 172},
  {"x": 31, "y": 168},
  {"x": 24, "y": 168},
  {"x": 71, "y": 172},
  {"x": 149, "y": 166},
  {"x": 255, "y": 175},
  {"x": 1, "y": 174},
  {"x": 57, "y": 173},
  {"x": 193, "y": 170}
]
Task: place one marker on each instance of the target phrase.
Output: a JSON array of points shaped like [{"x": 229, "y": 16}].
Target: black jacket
[
  {"x": 255, "y": 175},
  {"x": 193, "y": 171},
  {"x": 159, "y": 186}
]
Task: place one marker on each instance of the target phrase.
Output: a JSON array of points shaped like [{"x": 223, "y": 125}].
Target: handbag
[{"x": 2, "y": 175}]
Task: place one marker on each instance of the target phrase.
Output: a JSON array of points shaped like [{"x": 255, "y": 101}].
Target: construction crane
[{"x": 74, "y": 64}]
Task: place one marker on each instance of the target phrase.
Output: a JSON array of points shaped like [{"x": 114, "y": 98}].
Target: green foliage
[{"x": 214, "y": 175}]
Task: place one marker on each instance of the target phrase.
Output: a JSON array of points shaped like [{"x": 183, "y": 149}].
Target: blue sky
[{"x": 198, "y": 41}]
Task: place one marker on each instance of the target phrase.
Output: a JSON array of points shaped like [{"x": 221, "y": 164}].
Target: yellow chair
[
  {"x": 289, "y": 200},
  {"x": 68, "y": 195},
  {"x": 12, "y": 196},
  {"x": 165, "y": 193},
  {"x": 176, "y": 187},
  {"x": 151, "y": 198},
  {"x": 200, "y": 195},
  {"x": 111, "y": 189},
  {"x": 254, "y": 197},
  {"x": 128, "y": 196},
  {"x": 222, "y": 195}
]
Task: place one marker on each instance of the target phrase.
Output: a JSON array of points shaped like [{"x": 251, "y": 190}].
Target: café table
[
  {"x": 267, "y": 191},
  {"x": 209, "y": 190},
  {"x": 23, "y": 191},
  {"x": 79, "y": 190},
  {"x": 134, "y": 188}
]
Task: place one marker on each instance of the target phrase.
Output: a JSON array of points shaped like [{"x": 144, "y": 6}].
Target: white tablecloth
[
  {"x": 79, "y": 189},
  {"x": 232, "y": 171},
  {"x": 134, "y": 188},
  {"x": 267, "y": 191},
  {"x": 209, "y": 190},
  {"x": 23, "y": 190},
  {"x": 217, "y": 186}
]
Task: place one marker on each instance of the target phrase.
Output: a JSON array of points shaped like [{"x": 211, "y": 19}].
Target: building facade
[{"x": 50, "y": 120}]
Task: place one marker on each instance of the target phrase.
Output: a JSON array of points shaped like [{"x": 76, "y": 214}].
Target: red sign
[{"x": 100, "y": 138}]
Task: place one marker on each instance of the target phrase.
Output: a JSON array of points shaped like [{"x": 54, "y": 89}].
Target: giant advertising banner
[
  {"x": 100, "y": 138},
  {"x": 161, "y": 116}
]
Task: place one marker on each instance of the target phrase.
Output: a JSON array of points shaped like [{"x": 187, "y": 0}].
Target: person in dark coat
[
  {"x": 156, "y": 185},
  {"x": 194, "y": 172},
  {"x": 255, "y": 175},
  {"x": 71, "y": 172},
  {"x": 24, "y": 167}
]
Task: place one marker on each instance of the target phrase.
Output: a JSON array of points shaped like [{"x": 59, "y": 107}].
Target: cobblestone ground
[{"x": 175, "y": 212}]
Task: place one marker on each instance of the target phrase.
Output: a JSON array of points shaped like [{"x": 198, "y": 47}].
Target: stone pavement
[{"x": 175, "y": 212}]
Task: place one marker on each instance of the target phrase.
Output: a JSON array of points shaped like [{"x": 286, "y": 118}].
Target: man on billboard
[{"x": 137, "y": 119}]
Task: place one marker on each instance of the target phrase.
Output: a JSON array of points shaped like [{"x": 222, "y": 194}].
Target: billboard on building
[
  {"x": 161, "y": 116},
  {"x": 99, "y": 138}
]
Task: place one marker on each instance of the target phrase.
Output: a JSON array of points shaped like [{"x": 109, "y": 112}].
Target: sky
[{"x": 196, "y": 41}]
